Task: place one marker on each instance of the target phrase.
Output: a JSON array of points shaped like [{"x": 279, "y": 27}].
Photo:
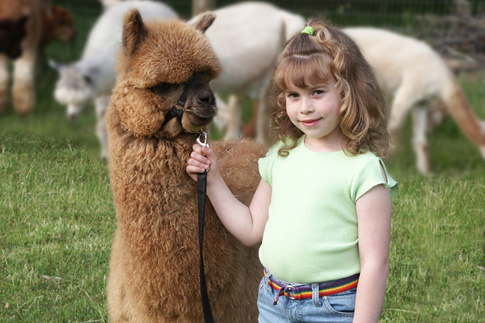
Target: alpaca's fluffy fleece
[{"x": 154, "y": 269}]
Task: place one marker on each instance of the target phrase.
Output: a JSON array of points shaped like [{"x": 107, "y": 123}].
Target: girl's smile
[{"x": 310, "y": 123}]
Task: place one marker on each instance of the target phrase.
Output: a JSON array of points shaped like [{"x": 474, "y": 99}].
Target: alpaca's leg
[
  {"x": 124, "y": 303},
  {"x": 23, "y": 87},
  {"x": 420, "y": 145},
  {"x": 260, "y": 122},
  {"x": 263, "y": 121},
  {"x": 234, "y": 118},
  {"x": 221, "y": 119},
  {"x": 482, "y": 147},
  {"x": 4, "y": 81},
  {"x": 437, "y": 113},
  {"x": 402, "y": 103},
  {"x": 263, "y": 115},
  {"x": 101, "y": 104},
  {"x": 249, "y": 130},
  {"x": 118, "y": 306},
  {"x": 114, "y": 290}
]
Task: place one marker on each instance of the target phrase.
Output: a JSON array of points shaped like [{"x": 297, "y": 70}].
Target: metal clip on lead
[{"x": 204, "y": 143}]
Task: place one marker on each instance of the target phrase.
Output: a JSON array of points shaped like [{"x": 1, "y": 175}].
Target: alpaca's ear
[
  {"x": 56, "y": 65},
  {"x": 134, "y": 31},
  {"x": 204, "y": 21}
]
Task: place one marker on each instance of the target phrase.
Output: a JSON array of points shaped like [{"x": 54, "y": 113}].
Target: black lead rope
[{"x": 201, "y": 193}]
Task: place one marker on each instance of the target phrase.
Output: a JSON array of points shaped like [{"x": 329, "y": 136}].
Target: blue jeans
[{"x": 333, "y": 308}]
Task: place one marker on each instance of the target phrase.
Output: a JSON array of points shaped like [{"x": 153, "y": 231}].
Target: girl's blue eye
[
  {"x": 317, "y": 92},
  {"x": 292, "y": 95}
]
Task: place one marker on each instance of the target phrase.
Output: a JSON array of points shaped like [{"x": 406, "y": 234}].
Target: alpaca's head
[
  {"x": 57, "y": 24},
  {"x": 74, "y": 88},
  {"x": 164, "y": 69}
]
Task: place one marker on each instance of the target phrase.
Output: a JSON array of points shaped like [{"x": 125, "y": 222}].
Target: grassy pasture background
[{"x": 57, "y": 217}]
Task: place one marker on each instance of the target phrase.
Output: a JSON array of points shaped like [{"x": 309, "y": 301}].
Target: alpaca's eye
[
  {"x": 88, "y": 79},
  {"x": 202, "y": 75},
  {"x": 164, "y": 88}
]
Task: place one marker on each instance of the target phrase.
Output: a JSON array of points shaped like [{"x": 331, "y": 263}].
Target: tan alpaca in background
[{"x": 413, "y": 75}]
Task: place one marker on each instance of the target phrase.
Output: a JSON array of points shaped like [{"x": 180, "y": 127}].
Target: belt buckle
[{"x": 290, "y": 289}]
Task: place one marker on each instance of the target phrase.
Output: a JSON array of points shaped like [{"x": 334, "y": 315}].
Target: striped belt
[{"x": 300, "y": 291}]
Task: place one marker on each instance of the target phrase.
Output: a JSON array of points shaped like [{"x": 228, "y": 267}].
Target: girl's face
[{"x": 314, "y": 110}]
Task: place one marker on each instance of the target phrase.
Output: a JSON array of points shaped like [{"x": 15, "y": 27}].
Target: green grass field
[{"x": 57, "y": 217}]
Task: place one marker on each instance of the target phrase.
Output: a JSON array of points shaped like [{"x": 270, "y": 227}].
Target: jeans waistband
[{"x": 301, "y": 291}]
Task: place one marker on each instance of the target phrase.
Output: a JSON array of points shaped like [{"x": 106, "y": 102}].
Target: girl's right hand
[{"x": 201, "y": 159}]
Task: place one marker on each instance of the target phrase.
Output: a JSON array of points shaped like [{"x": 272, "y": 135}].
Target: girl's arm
[
  {"x": 245, "y": 223},
  {"x": 374, "y": 227}
]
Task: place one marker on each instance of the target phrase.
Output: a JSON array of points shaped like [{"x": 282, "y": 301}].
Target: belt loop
[
  {"x": 268, "y": 275},
  {"x": 316, "y": 294}
]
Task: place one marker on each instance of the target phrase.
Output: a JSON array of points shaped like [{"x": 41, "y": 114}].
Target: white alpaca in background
[
  {"x": 92, "y": 78},
  {"x": 413, "y": 75},
  {"x": 247, "y": 38}
]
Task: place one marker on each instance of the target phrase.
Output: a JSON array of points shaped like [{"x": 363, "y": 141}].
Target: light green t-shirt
[{"x": 311, "y": 233}]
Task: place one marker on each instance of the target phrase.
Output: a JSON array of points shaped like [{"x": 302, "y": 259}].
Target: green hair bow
[{"x": 308, "y": 30}]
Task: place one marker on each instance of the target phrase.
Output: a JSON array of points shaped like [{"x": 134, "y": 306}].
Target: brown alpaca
[
  {"x": 23, "y": 91},
  {"x": 154, "y": 269},
  {"x": 25, "y": 26}
]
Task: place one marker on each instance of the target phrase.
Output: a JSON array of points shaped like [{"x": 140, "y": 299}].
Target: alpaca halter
[{"x": 178, "y": 109}]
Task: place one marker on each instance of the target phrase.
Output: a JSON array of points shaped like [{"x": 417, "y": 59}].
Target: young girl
[{"x": 322, "y": 209}]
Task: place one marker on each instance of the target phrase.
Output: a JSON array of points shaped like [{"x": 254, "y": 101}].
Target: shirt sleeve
[
  {"x": 266, "y": 164},
  {"x": 372, "y": 174}
]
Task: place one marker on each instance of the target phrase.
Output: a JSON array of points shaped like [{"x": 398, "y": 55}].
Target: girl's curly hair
[{"x": 305, "y": 60}]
